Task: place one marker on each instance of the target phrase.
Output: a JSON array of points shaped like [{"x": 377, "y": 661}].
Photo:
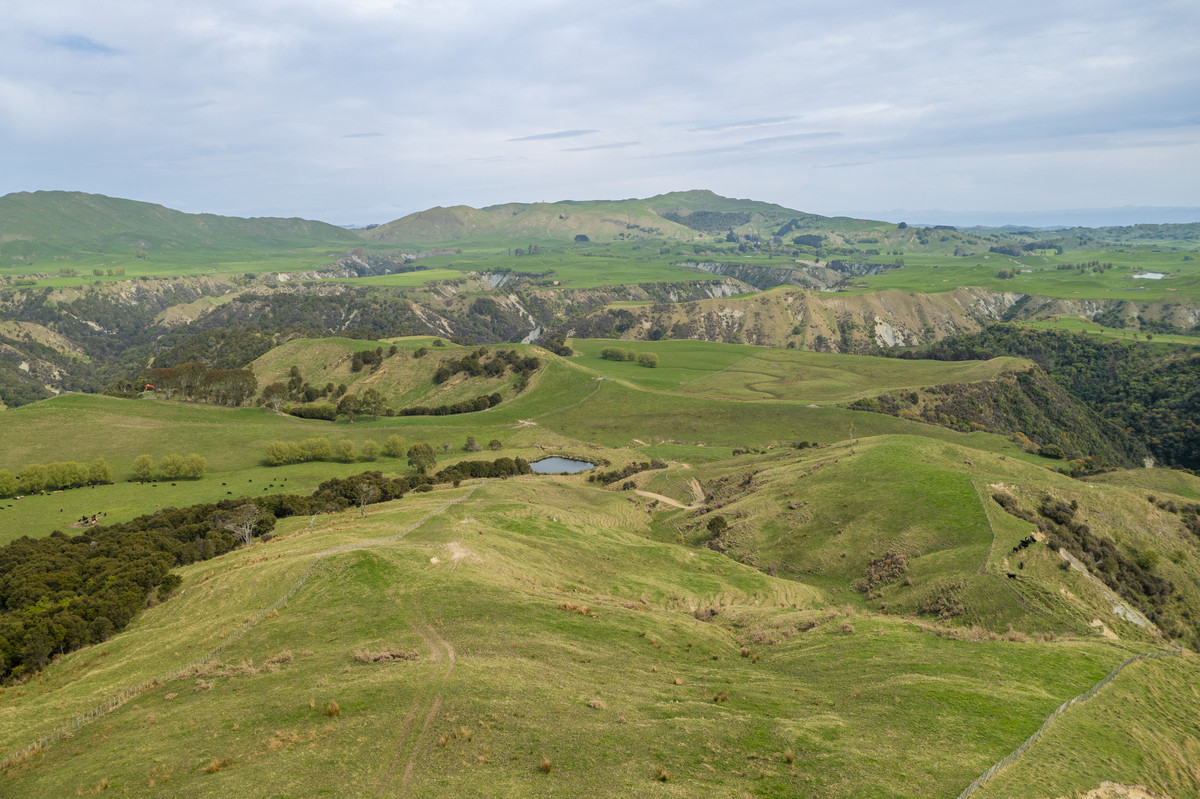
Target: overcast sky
[{"x": 361, "y": 111}]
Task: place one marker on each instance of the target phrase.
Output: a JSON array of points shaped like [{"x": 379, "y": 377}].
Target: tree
[
  {"x": 241, "y": 521},
  {"x": 280, "y": 452},
  {"x": 170, "y": 467},
  {"x": 316, "y": 449},
  {"x": 275, "y": 395},
  {"x": 370, "y": 451},
  {"x": 194, "y": 466},
  {"x": 471, "y": 446},
  {"x": 99, "y": 472},
  {"x": 143, "y": 468},
  {"x": 367, "y": 493},
  {"x": 393, "y": 447},
  {"x": 648, "y": 359},
  {"x": 494, "y": 444},
  {"x": 349, "y": 405},
  {"x": 8, "y": 483},
  {"x": 344, "y": 451},
  {"x": 421, "y": 457},
  {"x": 190, "y": 376},
  {"x": 372, "y": 402}
]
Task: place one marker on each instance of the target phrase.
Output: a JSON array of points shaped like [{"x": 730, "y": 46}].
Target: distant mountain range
[{"x": 48, "y": 224}]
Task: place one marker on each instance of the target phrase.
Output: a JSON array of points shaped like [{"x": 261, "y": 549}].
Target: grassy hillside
[
  {"x": 46, "y": 224},
  {"x": 538, "y": 627},
  {"x": 404, "y": 379},
  {"x": 740, "y": 372}
]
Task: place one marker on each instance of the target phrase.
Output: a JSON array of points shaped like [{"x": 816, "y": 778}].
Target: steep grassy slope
[
  {"x": 540, "y": 626},
  {"x": 833, "y": 515}
]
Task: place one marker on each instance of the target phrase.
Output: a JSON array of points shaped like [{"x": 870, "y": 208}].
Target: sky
[{"x": 362, "y": 111}]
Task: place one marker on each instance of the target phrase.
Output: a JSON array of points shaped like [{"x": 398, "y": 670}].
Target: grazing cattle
[
  {"x": 1012, "y": 576},
  {"x": 1024, "y": 542}
]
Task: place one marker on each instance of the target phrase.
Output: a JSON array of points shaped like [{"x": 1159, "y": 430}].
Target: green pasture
[
  {"x": 1139, "y": 730},
  {"x": 935, "y": 273},
  {"x": 507, "y": 671},
  {"x": 1078, "y": 325},
  {"x": 175, "y": 263},
  {"x": 574, "y": 266},
  {"x": 419, "y": 278},
  {"x": 741, "y": 372}
]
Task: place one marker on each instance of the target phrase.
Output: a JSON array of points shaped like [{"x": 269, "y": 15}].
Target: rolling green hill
[
  {"x": 790, "y": 570},
  {"x": 47, "y": 224}
]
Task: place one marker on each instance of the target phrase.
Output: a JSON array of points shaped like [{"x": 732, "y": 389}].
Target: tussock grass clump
[
  {"x": 545, "y": 765},
  {"x": 789, "y": 756},
  {"x": 216, "y": 765},
  {"x": 598, "y": 704},
  {"x": 571, "y": 607},
  {"x": 662, "y": 774},
  {"x": 723, "y": 696},
  {"x": 332, "y": 710},
  {"x": 881, "y": 571},
  {"x": 678, "y": 681},
  {"x": 388, "y": 655}
]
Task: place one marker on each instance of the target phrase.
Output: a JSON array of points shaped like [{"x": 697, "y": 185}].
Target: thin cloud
[
  {"x": 614, "y": 146},
  {"x": 80, "y": 44},
  {"x": 362, "y": 136},
  {"x": 741, "y": 125},
  {"x": 559, "y": 134},
  {"x": 794, "y": 137}
]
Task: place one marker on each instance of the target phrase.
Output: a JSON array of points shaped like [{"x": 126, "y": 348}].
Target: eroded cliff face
[
  {"x": 844, "y": 322},
  {"x": 833, "y": 322}
]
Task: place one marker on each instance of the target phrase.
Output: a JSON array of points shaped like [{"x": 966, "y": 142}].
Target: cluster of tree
[
  {"x": 194, "y": 380},
  {"x": 298, "y": 390},
  {"x": 36, "y": 478},
  {"x": 557, "y": 343},
  {"x": 170, "y": 467},
  {"x": 711, "y": 222},
  {"x": 466, "y": 470},
  {"x": 1006, "y": 274},
  {"x": 648, "y": 359},
  {"x": 59, "y": 593},
  {"x": 219, "y": 349},
  {"x": 1094, "y": 266},
  {"x": 500, "y": 361},
  {"x": 624, "y": 472},
  {"x": 350, "y": 406},
  {"x": 1153, "y": 396},
  {"x": 281, "y": 453},
  {"x": 1030, "y": 408},
  {"x": 481, "y": 403},
  {"x": 374, "y": 359}
]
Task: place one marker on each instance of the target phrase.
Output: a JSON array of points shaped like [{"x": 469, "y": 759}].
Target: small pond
[{"x": 558, "y": 465}]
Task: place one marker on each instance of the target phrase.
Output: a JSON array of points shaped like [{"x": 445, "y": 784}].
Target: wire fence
[
  {"x": 1083, "y": 697},
  {"x": 113, "y": 702}
]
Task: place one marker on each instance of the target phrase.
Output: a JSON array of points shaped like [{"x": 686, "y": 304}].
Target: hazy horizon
[{"x": 367, "y": 111}]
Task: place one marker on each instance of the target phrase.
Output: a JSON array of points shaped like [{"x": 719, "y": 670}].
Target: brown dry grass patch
[{"x": 386, "y": 655}]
